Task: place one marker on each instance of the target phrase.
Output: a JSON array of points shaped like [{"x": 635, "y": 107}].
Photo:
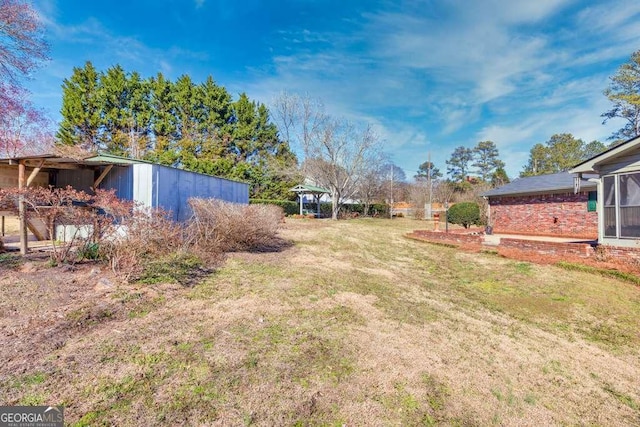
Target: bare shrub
[
  {"x": 143, "y": 236},
  {"x": 89, "y": 217},
  {"x": 227, "y": 227},
  {"x": 146, "y": 244}
]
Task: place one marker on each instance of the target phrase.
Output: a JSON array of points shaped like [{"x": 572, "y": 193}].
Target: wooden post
[
  {"x": 300, "y": 195},
  {"x": 22, "y": 213}
]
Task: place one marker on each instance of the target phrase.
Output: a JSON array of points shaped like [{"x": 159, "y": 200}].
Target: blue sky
[{"x": 428, "y": 75}]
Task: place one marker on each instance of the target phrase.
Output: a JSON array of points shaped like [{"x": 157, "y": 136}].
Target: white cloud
[
  {"x": 609, "y": 17},
  {"x": 517, "y": 69}
]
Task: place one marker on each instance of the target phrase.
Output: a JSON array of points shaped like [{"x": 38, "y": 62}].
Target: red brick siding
[{"x": 562, "y": 214}]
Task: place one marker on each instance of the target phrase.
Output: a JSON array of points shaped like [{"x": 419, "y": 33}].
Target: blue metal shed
[{"x": 160, "y": 186}]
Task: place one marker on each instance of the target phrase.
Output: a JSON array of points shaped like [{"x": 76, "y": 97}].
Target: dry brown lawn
[{"x": 352, "y": 325}]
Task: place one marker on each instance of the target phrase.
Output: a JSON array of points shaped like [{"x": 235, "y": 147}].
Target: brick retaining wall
[
  {"x": 619, "y": 253},
  {"x": 557, "y": 250},
  {"x": 582, "y": 250}
]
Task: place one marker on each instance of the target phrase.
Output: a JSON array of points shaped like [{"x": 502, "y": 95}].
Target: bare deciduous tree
[
  {"x": 337, "y": 154},
  {"x": 23, "y": 128},
  {"x": 22, "y": 46}
]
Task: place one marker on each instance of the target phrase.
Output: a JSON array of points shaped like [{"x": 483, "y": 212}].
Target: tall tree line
[
  {"x": 198, "y": 127},
  {"x": 483, "y": 160},
  {"x": 560, "y": 153}
]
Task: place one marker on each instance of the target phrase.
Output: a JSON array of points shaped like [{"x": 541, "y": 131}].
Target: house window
[
  {"x": 629, "y": 196},
  {"x": 609, "y": 201}
]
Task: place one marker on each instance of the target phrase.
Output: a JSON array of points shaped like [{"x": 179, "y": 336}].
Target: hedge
[
  {"x": 289, "y": 207},
  {"x": 293, "y": 208},
  {"x": 375, "y": 209}
]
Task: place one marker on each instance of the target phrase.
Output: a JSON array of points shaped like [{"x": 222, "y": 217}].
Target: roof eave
[{"x": 591, "y": 165}]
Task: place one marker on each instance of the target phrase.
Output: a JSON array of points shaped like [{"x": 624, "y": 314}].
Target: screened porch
[{"x": 621, "y": 205}]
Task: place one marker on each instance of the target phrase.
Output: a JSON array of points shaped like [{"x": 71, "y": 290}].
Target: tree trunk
[{"x": 335, "y": 207}]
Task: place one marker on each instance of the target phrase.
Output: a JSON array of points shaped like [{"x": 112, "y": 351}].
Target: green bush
[
  {"x": 289, "y": 207},
  {"x": 464, "y": 214}
]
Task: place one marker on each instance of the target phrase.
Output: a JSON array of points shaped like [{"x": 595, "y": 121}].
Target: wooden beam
[
  {"x": 34, "y": 172},
  {"x": 102, "y": 176},
  {"x": 22, "y": 212},
  {"x": 54, "y": 165}
]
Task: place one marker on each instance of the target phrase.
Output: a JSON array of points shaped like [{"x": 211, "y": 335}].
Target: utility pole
[
  {"x": 429, "y": 186},
  {"x": 391, "y": 208}
]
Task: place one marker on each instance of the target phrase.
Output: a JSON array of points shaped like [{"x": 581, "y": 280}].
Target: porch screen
[
  {"x": 609, "y": 193},
  {"x": 629, "y": 196}
]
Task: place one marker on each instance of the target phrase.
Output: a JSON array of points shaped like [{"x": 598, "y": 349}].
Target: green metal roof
[
  {"x": 112, "y": 158},
  {"x": 303, "y": 188}
]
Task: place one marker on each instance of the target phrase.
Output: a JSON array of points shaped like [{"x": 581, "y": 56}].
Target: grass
[
  {"x": 179, "y": 268},
  {"x": 621, "y": 275},
  {"x": 353, "y": 324},
  {"x": 10, "y": 261}
]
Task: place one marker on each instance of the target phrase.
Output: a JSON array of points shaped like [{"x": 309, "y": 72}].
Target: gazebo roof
[{"x": 310, "y": 189}]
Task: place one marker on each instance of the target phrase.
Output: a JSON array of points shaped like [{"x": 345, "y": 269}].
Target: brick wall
[
  {"x": 619, "y": 253},
  {"x": 562, "y": 214},
  {"x": 582, "y": 250}
]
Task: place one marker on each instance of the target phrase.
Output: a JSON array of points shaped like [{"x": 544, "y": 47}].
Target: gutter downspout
[{"x": 22, "y": 212}]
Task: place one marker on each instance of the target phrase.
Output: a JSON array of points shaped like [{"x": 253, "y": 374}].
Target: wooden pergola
[{"x": 316, "y": 192}]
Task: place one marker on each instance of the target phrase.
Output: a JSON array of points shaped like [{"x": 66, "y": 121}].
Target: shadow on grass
[{"x": 277, "y": 244}]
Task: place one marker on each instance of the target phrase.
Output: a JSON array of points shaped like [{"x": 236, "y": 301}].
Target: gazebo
[{"x": 316, "y": 192}]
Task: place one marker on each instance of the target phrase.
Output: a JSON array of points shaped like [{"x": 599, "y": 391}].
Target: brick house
[{"x": 545, "y": 205}]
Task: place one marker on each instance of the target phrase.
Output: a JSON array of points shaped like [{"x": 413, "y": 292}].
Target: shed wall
[
  {"x": 79, "y": 179},
  {"x": 144, "y": 184},
  {"x": 169, "y": 188},
  {"x": 562, "y": 214},
  {"x": 173, "y": 187},
  {"x": 9, "y": 177},
  {"x": 120, "y": 179}
]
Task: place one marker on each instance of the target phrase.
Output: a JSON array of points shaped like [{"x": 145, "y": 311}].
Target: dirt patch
[{"x": 45, "y": 307}]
